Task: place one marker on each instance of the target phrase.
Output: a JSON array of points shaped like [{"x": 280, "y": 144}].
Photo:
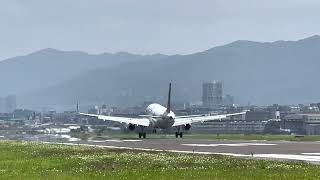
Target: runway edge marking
[{"x": 259, "y": 156}]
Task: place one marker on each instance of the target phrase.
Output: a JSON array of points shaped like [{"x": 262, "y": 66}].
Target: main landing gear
[
  {"x": 178, "y": 133},
  {"x": 154, "y": 131},
  {"x": 142, "y": 135}
]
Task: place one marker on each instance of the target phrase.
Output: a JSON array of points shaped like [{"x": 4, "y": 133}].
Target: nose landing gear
[
  {"x": 154, "y": 131},
  {"x": 142, "y": 135},
  {"x": 179, "y": 134}
]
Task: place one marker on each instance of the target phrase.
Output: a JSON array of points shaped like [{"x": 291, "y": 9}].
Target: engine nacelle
[
  {"x": 131, "y": 127},
  {"x": 187, "y": 127}
]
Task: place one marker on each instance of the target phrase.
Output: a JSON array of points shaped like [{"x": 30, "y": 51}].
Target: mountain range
[{"x": 281, "y": 72}]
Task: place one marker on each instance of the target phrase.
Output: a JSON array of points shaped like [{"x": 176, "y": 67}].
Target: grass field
[{"x": 22, "y": 160}]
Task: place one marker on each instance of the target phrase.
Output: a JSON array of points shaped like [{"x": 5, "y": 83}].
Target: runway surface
[{"x": 278, "y": 150}]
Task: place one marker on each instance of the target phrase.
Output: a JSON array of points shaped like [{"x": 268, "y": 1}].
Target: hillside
[
  {"x": 255, "y": 72},
  {"x": 50, "y": 67}
]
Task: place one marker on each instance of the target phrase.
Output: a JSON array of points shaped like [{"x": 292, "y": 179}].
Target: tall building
[
  {"x": 212, "y": 94},
  {"x": 207, "y": 94}
]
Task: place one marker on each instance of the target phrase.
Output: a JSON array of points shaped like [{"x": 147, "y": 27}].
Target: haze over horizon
[
  {"x": 145, "y": 27},
  {"x": 253, "y": 72}
]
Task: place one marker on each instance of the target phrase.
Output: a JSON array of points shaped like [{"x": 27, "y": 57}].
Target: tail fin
[{"x": 169, "y": 100}]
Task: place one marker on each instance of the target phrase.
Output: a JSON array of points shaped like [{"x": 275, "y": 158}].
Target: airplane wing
[
  {"x": 136, "y": 121},
  {"x": 178, "y": 121}
]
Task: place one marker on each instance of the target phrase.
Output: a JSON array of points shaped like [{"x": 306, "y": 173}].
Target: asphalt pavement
[{"x": 278, "y": 150}]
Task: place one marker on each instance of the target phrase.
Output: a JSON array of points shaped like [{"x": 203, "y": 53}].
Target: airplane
[{"x": 160, "y": 117}]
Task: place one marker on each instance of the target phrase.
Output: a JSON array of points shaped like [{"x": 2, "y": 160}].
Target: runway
[{"x": 277, "y": 150}]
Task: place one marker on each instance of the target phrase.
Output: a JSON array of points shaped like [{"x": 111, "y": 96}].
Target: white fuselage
[{"x": 160, "y": 118}]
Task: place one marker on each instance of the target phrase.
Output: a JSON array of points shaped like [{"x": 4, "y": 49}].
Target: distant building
[
  {"x": 302, "y": 123},
  {"x": 212, "y": 94},
  {"x": 23, "y": 114},
  {"x": 104, "y": 110},
  {"x": 94, "y": 110},
  {"x": 258, "y": 116},
  {"x": 180, "y": 105},
  {"x": 229, "y": 126}
]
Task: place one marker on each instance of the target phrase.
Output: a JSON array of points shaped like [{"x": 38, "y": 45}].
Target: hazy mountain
[
  {"x": 49, "y": 67},
  {"x": 255, "y": 72}
]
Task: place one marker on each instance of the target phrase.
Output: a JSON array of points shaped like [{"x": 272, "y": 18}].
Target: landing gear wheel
[
  {"x": 140, "y": 135},
  {"x": 181, "y": 134},
  {"x": 177, "y": 134},
  {"x": 144, "y": 135},
  {"x": 154, "y": 131}
]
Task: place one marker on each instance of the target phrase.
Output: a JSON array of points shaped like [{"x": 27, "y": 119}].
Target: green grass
[{"x": 22, "y": 160}]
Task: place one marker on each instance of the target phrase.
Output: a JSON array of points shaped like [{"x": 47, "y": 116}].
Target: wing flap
[
  {"x": 136, "y": 121},
  {"x": 193, "y": 119}
]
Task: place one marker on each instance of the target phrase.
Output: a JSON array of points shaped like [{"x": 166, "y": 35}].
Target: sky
[{"x": 150, "y": 26}]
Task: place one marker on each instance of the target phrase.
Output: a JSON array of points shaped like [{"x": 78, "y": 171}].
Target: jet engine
[
  {"x": 187, "y": 127},
  {"x": 132, "y": 127}
]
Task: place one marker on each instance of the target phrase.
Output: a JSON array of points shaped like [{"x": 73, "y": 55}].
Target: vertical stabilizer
[{"x": 169, "y": 100}]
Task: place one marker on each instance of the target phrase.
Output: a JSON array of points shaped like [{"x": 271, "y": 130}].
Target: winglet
[{"x": 169, "y": 100}]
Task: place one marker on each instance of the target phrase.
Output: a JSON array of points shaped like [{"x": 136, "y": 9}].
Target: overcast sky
[{"x": 150, "y": 26}]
